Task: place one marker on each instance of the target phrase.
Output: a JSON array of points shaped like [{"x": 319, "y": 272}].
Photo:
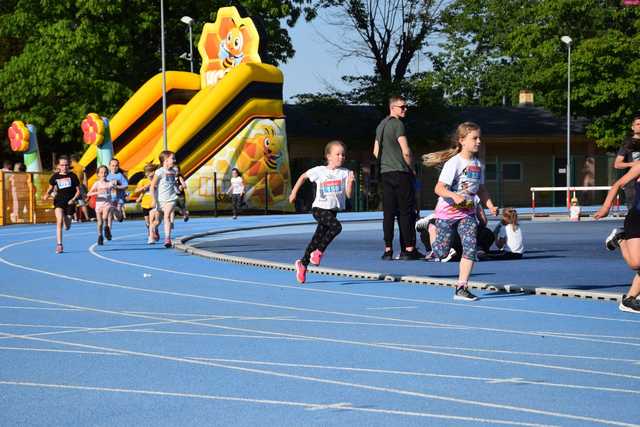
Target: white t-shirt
[
  {"x": 237, "y": 185},
  {"x": 463, "y": 177},
  {"x": 166, "y": 184},
  {"x": 331, "y": 185},
  {"x": 513, "y": 237}
]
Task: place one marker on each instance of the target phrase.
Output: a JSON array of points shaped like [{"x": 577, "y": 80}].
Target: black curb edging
[{"x": 181, "y": 245}]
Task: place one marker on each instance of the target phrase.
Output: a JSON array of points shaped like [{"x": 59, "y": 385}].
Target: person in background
[
  {"x": 395, "y": 160},
  {"x": 236, "y": 189},
  {"x": 78, "y": 169},
  {"x": 66, "y": 186},
  {"x": 628, "y": 156}
]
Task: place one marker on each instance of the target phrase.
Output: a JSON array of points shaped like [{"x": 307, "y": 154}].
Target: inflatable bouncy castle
[{"x": 229, "y": 115}]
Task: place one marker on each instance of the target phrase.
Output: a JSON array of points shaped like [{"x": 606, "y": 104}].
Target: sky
[{"x": 315, "y": 66}]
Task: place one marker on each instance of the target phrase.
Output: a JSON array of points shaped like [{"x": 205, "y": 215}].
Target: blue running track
[{"x": 130, "y": 334}]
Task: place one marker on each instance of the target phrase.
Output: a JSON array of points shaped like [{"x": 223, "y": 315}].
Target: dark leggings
[{"x": 328, "y": 228}]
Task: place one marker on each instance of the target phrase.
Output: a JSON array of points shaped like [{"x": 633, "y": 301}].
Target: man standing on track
[{"x": 395, "y": 160}]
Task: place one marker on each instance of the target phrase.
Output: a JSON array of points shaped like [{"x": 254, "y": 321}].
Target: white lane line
[
  {"x": 389, "y": 390},
  {"x": 592, "y": 335},
  {"x": 341, "y": 405},
  {"x": 523, "y": 353},
  {"x": 337, "y": 341},
  {"x": 356, "y": 294},
  {"x": 506, "y": 381},
  {"x": 304, "y": 405},
  {"x": 418, "y": 374},
  {"x": 215, "y": 316},
  {"x": 202, "y": 334},
  {"x": 293, "y": 308},
  {"x": 392, "y": 308},
  {"x": 11, "y": 307},
  {"x": 53, "y": 350}
]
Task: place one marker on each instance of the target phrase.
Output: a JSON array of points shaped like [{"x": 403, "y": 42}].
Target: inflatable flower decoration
[
  {"x": 19, "y": 136},
  {"x": 93, "y": 129}
]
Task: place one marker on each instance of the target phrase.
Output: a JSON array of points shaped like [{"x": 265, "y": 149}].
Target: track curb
[{"x": 181, "y": 244}]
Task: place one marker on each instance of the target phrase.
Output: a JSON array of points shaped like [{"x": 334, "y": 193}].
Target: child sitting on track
[
  {"x": 462, "y": 177},
  {"x": 333, "y": 183}
]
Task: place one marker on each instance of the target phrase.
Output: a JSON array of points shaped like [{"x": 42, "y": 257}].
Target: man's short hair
[{"x": 395, "y": 98}]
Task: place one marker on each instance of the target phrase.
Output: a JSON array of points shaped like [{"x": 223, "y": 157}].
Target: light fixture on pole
[
  {"x": 164, "y": 79},
  {"x": 188, "y": 21},
  {"x": 567, "y": 40}
]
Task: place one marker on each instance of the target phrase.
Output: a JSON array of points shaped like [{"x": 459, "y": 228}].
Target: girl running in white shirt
[
  {"x": 104, "y": 204},
  {"x": 333, "y": 183},
  {"x": 461, "y": 179}
]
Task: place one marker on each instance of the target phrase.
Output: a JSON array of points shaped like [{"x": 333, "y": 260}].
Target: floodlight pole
[
  {"x": 164, "y": 80},
  {"x": 189, "y": 21},
  {"x": 567, "y": 40}
]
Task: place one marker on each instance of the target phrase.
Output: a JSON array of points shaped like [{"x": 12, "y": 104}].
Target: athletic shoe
[
  {"x": 387, "y": 256},
  {"x": 463, "y": 294},
  {"x": 411, "y": 256},
  {"x": 613, "y": 239},
  {"x": 185, "y": 218},
  {"x": 629, "y": 304},
  {"x": 422, "y": 224},
  {"x": 151, "y": 240},
  {"x": 452, "y": 253},
  {"x": 100, "y": 240},
  {"x": 316, "y": 257},
  {"x": 59, "y": 248},
  {"x": 167, "y": 243},
  {"x": 301, "y": 272},
  {"x": 107, "y": 233}
]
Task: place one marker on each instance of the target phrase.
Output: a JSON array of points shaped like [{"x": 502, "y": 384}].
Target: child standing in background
[
  {"x": 461, "y": 179},
  {"x": 102, "y": 190},
  {"x": 66, "y": 186},
  {"x": 333, "y": 183},
  {"x": 163, "y": 192},
  {"x": 236, "y": 190}
]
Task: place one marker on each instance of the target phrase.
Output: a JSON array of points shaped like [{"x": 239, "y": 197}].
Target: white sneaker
[
  {"x": 612, "y": 240},
  {"x": 422, "y": 224},
  {"x": 452, "y": 253},
  {"x": 151, "y": 240}
]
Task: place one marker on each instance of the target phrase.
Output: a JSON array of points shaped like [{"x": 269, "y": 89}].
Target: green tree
[
  {"x": 64, "y": 58},
  {"x": 508, "y": 45},
  {"x": 388, "y": 34}
]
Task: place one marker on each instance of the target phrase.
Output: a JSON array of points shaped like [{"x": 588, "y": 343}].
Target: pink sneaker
[
  {"x": 59, "y": 249},
  {"x": 301, "y": 272},
  {"x": 316, "y": 257},
  {"x": 167, "y": 243}
]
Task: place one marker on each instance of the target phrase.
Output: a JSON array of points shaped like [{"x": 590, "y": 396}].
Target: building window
[
  {"x": 510, "y": 171},
  {"x": 490, "y": 172}
]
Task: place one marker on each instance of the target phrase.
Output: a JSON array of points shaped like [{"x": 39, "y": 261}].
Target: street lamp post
[
  {"x": 164, "y": 80},
  {"x": 567, "y": 40},
  {"x": 189, "y": 21}
]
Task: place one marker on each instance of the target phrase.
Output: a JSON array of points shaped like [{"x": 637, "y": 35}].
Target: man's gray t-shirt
[{"x": 392, "y": 159}]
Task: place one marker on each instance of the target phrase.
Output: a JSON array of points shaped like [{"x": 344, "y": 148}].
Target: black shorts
[
  {"x": 146, "y": 211},
  {"x": 632, "y": 224},
  {"x": 65, "y": 206}
]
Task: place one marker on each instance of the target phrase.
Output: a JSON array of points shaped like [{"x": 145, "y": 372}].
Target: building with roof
[{"x": 524, "y": 146}]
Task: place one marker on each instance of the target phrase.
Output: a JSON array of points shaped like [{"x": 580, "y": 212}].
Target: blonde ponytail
[{"x": 438, "y": 158}]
